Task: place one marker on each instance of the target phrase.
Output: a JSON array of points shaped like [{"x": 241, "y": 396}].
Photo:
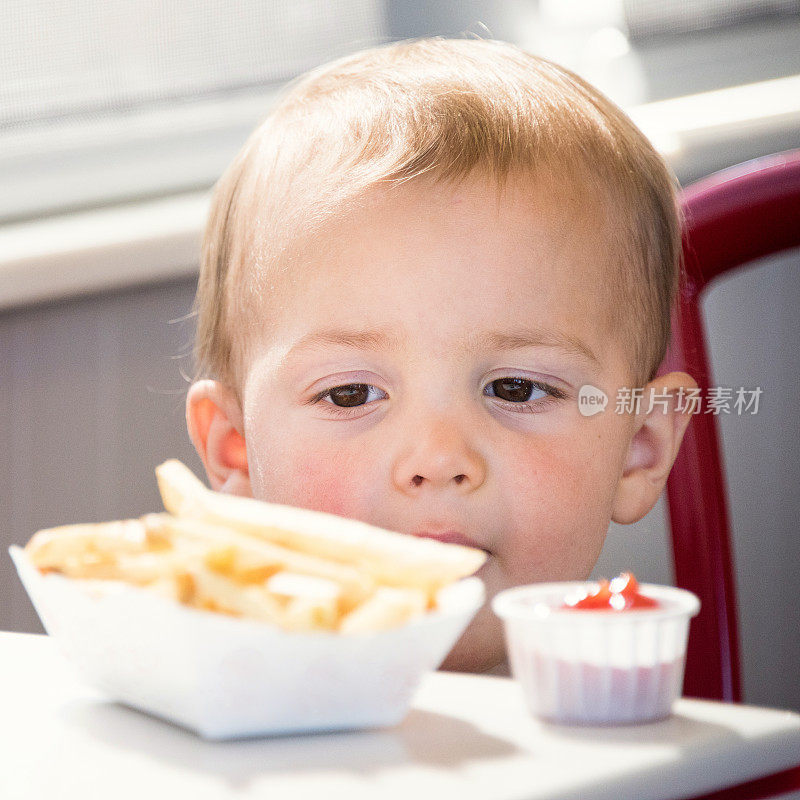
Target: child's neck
[{"x": 501, "y": 669}]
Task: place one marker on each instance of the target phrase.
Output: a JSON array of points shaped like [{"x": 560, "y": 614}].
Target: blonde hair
[{"x": 441, "y": 107}]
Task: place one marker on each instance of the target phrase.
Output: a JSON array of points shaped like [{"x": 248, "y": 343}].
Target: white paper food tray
[{"x": 227, "y": 677}]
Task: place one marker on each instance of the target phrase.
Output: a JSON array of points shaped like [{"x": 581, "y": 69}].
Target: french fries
[
  {"x": 298, "y": 569},
  {"x": 393, "y": 559},
  {"x": 250, "y": 561}
]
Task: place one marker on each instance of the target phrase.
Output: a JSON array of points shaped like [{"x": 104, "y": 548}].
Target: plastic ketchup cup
[{"x": 584, "y": 656}]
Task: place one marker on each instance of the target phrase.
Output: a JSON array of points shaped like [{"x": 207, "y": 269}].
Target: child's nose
[{"x": 439, "y": 453}]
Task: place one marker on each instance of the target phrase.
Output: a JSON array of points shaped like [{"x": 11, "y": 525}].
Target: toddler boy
[{"x": 409, "y": 271}]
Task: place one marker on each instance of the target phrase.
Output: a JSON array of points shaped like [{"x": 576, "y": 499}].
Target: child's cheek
[
  {"x": 539, "y": 478},
  {"x": 547, "y": 501},
  {"x": 323, "y": 483}
]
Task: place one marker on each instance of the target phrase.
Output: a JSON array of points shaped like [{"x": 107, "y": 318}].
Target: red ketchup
[{"x": 620, "y": 594}]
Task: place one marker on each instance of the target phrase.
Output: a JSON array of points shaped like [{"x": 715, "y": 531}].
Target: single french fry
[
  {"x": 218, "y": 593},
  {"x": 392, "y": 558},
  {"x": 389, "y": 607},
  {"x": 51, "y": 547},
  {"x": 294, "y": 584},
  {"x": 138, "y": 568},
  {"x": 311, "y": 603},
  {"x": 178, "y": 586},
  {"x": 311, "y": 614},
  {"x": 146, "y": 568}
]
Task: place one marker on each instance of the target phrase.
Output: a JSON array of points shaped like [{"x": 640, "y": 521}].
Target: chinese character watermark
[
  {"x": 629, "y": 400},
  {"x": 633, "y": 400},
  {"x": 688, "y": 400}
]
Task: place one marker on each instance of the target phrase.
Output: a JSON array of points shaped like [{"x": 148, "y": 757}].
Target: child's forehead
[
  {"x": 568, "y": 205},
  {"x": 361, "y": 264},
  {"x": 350, "y": 270},
  {"x": 476, "y": 215}
]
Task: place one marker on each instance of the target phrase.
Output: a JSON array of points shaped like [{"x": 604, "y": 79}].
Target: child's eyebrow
[{"x": 388, "y": 340}]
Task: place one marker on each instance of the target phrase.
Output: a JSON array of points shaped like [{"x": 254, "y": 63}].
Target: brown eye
[
  {"x": 353, "y": 394},
  {"x": 517, "y": 390}
]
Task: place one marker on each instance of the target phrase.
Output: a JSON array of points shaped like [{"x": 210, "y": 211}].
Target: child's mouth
[{"x": 451, "y": 537}]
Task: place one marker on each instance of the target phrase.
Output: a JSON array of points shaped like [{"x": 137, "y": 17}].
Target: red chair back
[{"x": 731, "y": 218}]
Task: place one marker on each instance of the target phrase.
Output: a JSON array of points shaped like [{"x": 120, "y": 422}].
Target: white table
[{"x": 465, "y": 737}]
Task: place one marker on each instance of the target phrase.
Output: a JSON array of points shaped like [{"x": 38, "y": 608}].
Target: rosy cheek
[
  {"x": 322, "y": 483},
  {"x": 542, "y": 486},
  {"x": 535, "y": 477}
]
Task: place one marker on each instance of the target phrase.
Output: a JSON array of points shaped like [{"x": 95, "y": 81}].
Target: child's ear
[
  {"x": 215, "y": 423},
  {"x": 657, "y": 436}
]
